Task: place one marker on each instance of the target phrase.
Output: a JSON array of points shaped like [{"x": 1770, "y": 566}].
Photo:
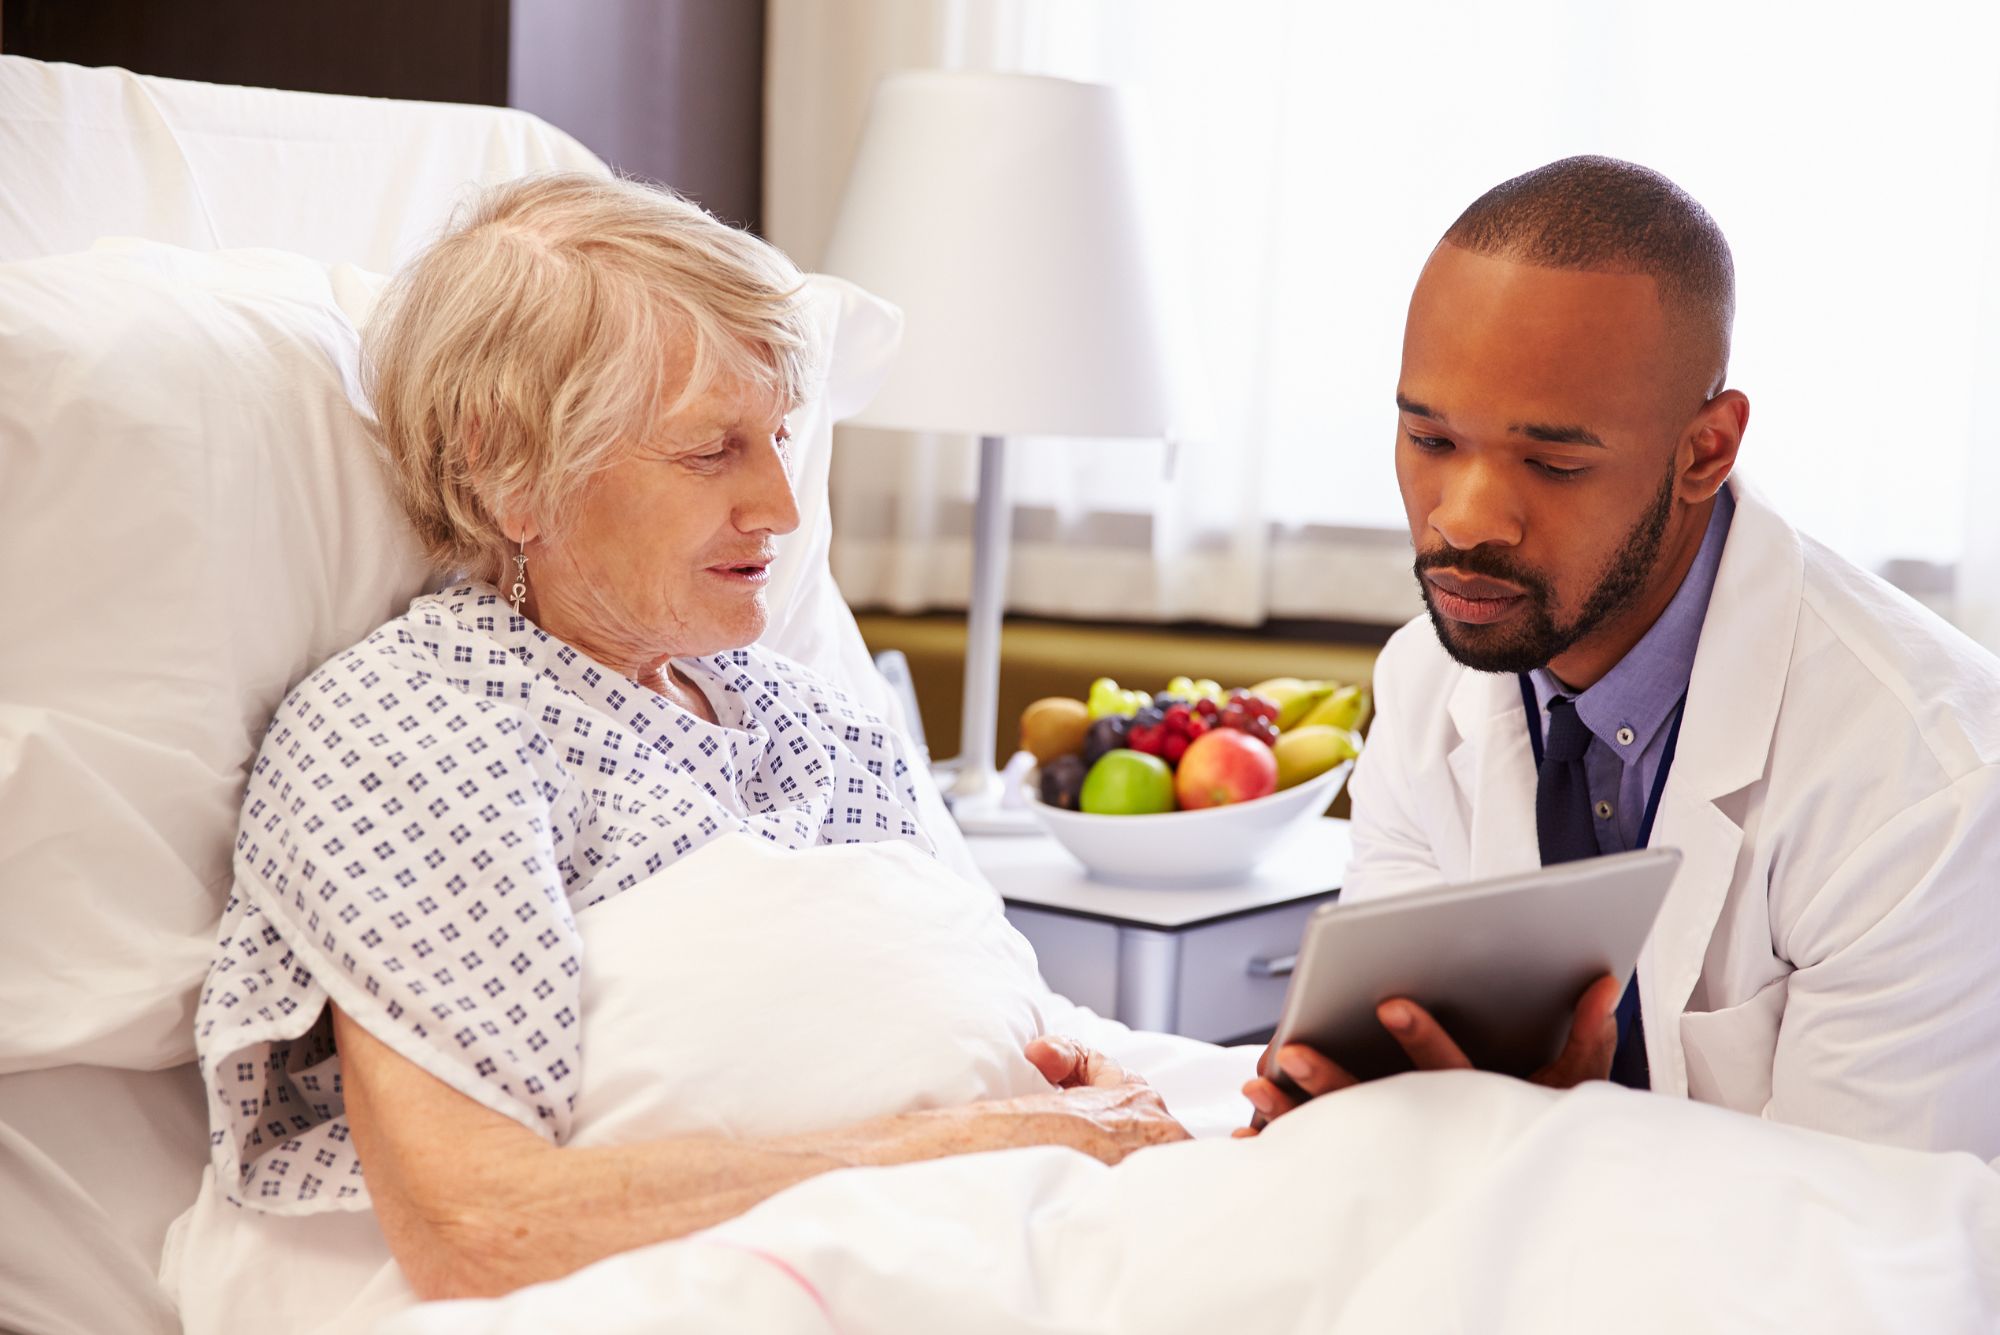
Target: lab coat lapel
[
  {"x": 1734, "y": 694},
  {"x": 1494, "y": 762}
]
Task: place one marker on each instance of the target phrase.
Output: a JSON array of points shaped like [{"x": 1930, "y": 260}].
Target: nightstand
[{"x": 1211, "y": 964}]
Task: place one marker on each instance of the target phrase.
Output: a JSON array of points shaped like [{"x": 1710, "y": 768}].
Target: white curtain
[
  {"x": 1306, "y": 157},
  {"x": 1977, "y": 604}
]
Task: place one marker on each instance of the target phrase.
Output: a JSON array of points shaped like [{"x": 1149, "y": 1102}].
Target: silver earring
[{"x": 520, "y": 589}]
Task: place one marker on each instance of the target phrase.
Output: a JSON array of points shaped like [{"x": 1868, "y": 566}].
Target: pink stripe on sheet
[{"x": 788, "y": 1269}]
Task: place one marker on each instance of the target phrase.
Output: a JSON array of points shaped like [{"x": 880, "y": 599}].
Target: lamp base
[
  {"x": 988, "y": 813},
  {"x": 985, "y": 802}
]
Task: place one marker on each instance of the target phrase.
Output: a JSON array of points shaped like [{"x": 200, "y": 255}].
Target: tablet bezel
[{"x": 1500, "y": 963}]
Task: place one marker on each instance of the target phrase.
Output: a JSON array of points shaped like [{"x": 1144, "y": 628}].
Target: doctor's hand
[{"x": 1593, "y": 1038}]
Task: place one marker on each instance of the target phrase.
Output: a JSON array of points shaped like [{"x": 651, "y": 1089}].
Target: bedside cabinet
[{"x": 1211, "y": 964}]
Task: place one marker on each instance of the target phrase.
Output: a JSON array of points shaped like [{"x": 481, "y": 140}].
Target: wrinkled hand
[
  {"x": 1593, "y": 1038},
  {"x": 1096, "y": 1106},
  {"x": 1067, "y": 1064}
]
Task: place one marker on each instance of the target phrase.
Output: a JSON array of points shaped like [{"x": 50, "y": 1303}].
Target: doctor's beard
[{"x": 1533, "y": 638}]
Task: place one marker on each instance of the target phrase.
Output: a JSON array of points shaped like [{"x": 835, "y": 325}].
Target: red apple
[{"x": 1225, "y": 766}]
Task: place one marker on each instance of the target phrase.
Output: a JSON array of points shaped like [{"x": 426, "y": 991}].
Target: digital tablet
[{"x": 1500, "y": 963}]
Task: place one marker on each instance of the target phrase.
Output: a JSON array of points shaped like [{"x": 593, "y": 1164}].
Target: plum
[
  {"x": 1106, "y": 734},
  {"x": 1062, "y": 781}
]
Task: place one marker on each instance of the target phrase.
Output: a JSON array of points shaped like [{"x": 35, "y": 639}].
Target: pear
[
  {"x": 1346, "y": 708},
  {"x": 1310, "y": 750}
]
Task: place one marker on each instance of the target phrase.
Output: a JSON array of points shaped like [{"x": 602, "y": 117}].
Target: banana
[
  {"x": 1296, "y": 710},
  {"x": 1346, "y": 708},
  {"x": 1309, "y": 751},
  {"x": 1295, "y": 698}
]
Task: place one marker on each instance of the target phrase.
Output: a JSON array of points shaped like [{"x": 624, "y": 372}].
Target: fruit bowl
[{"x": 1214, "y": 845}]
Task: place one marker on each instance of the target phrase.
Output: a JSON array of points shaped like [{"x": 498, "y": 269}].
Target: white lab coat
[{"x": 1829, "y": 953}]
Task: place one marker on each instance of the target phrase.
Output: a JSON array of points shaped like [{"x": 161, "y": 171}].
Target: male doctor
[{"x": 1626, "y": 645}]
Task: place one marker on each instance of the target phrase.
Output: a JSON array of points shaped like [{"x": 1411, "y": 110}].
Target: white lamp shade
[{"x": 999, "y": 212}]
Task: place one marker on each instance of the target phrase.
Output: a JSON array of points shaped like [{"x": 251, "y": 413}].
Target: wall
[
  {"x": 671, "y": 90},
  {"x": 439, "y": 50}
]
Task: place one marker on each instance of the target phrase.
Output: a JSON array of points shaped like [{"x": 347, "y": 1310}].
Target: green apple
[{"x": 1125, "y": 782}]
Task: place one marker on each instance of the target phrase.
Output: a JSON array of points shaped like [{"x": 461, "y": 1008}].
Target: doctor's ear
[{"x": 1709, "y": 444}]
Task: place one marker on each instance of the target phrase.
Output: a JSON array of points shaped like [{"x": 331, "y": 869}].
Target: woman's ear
[
  {"x": 519, "y": 526},
  {"x": 515, "y": 522}
]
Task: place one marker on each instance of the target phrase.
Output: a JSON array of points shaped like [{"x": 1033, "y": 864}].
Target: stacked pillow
[{"x": 192, "y": 518}]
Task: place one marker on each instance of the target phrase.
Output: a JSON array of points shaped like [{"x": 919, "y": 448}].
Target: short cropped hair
[
  {"x": 522, "y": 350},
  {"x": 1601, "y": 214}
]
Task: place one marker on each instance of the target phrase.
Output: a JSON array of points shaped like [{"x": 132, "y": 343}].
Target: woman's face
[{"x": 672, "y": 543}]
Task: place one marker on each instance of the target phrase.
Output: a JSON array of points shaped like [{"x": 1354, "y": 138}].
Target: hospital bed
[
  {"x": 102, "y": 1124},
  {"x": 114, "y": 826},
  {"x": 146, "y": 497}
]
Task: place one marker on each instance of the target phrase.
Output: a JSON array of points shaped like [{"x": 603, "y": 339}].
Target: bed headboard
[{"x": 97, "y": 152}]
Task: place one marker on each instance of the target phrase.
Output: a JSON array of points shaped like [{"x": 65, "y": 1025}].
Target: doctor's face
[{"x": 1538, "y": 453}]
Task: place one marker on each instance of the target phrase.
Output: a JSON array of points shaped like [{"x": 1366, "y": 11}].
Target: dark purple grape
[
  {"x": 1062, "y": 781},
  {"x": 1167, "y": 700},
  {"x": 1148, "y": 717},
  {"x": 1107, "y": 734}
]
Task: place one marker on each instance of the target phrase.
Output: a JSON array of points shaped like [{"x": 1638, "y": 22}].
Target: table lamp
[{"x": 1000, "y": 212}]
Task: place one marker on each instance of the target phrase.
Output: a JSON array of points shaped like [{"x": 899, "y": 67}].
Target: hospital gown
[{"x": 429, "y": 811}]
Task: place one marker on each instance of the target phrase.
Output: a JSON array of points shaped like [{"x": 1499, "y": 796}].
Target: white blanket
[
  {"x": 1456, "y": 1202},
  {"x": 746, "y": 990},
  {"x": 751, "y": 990}
]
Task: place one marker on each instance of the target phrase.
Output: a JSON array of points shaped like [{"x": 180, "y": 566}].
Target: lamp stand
[{"x": 974, "y": 791}]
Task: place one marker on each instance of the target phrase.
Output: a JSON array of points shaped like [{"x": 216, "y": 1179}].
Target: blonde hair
[{"x": 512, "y": 358}]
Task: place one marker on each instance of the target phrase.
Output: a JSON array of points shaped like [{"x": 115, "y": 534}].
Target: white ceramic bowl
[{"x": 1212, "y": 846}]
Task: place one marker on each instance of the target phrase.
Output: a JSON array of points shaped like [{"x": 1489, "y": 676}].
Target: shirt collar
[{"x": 1629, "y": 705}]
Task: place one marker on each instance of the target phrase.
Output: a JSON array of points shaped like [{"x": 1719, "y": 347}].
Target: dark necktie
[
  {"x": 1566, "y": 829},
  {"x": 1563, "y": 821}
]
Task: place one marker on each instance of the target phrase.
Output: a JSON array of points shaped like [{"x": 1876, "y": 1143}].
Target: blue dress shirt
[{"x": 1629, "y": 710}]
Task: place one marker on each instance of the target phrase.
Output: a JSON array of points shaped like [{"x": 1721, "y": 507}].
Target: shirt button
[
  {"x": 1604, "y": 811},
  {"x": 1625, "y": 736}
]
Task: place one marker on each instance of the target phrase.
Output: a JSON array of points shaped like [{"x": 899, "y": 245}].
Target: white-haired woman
[{"x": 582, "y": 390}]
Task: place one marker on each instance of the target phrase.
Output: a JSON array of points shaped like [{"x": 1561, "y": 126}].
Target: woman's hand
[
  {"x": 1096, "y": 1107},
  {"x": 474, "y": 1204}
]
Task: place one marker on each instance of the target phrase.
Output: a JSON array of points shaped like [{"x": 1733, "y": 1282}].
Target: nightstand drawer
[
  {"x": 1218, "y": 997},
  {"x": 1174, "y": 961},
  {"x": 1077, "y": 957}
]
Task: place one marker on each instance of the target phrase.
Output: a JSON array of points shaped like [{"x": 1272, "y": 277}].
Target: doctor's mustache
[{"x": 1487, "y": 562}]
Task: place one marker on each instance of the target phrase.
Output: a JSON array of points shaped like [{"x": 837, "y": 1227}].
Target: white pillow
[
  {"x": 752, "y": 990},
  {"x": 90, "y": 152},
  {"x": 191, "y": 520}
]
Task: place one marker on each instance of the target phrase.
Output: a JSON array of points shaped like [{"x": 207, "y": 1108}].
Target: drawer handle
[{"x": 1275, "y": 966}]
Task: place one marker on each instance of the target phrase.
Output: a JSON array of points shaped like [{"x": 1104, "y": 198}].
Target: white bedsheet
[{"x": 1453, "y": 1202}]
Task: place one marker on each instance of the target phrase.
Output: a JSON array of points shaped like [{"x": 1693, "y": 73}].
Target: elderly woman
[{"x": 582, "y": 390}]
